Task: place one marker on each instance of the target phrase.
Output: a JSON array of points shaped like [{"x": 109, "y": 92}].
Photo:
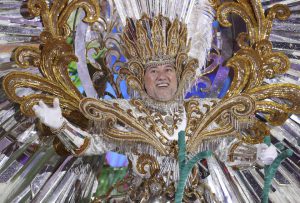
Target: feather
[{"x": 200, "y": 31}]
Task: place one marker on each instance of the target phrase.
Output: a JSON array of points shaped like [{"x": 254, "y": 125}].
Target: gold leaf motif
[
  {"x": 157, "y": 37},
  {"x": 241, "y": 106},
  {"x": 242, "y": 70},
  {"x": 26, "y": 56},
  {"x": 277, "y": 113},
  {"x": 279, "y": 11},
  {"x": 214, "y": 3},
  {"x": 99, "y": 110},
  {"x": 256, "y": 61},
  {"x": 255, "y": 134},
  {"x": 246, "y": 96},
  {"x": 258, "y": 24},
  {"x": 15, "y": 80},
  {"x": 52, "y": 58},
  {"x": 55, "y": 18}
]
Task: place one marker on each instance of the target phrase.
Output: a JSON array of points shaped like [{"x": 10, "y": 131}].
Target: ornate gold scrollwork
[
  {"x": 52, "y": 58},
  {"x": 55, "y": 18},
  {"x": 255, "y": 134},
  {"x": 256, "y": 61},
  {"x": 147, "y": 160},
  {"x": 98, "y": 110},
  {"x": 258, "y": 24},
  {"x": 237, "y": 107}
]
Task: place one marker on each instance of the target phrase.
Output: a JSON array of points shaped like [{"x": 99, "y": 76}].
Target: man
[
  {"x": 160, "y": 84},
  {"x": 146, "y": 129}
]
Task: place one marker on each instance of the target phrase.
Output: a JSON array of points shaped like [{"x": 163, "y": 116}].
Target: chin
[
  {"x": 162, "y": 95},
  {"x": 164, "y": 98}
]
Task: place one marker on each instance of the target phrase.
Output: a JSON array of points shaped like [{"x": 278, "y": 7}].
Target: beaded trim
[{"x": 160, "y": 61}]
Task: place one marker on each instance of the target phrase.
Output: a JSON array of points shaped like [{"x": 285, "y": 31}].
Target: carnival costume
[{"x": 153, "y": 134}]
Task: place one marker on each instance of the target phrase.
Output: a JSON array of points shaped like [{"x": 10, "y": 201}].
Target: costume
[
  {"x": 156, "y": 171},
  {"x": 146, "y": 129}
]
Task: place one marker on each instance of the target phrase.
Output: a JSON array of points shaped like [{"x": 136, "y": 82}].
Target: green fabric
[
  {"x": 185, "y": 167},
  {"x": 182, "y": 149},
  {"x": 267, "y": 140},
  {"x": 270, "y": 170},
  {"x": 279, "y": 146}
]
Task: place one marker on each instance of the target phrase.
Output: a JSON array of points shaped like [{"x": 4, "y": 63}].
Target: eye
[
  {"x": 169, "y": 69},
  {"x": 152, "y": 71}
]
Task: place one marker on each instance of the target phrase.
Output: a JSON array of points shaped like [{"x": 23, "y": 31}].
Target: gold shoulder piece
[
  {"x": 227, "y": 113},
  {"x": 142, "y": 127}
]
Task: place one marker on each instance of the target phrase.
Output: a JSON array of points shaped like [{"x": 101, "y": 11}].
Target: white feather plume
[{"x": 200, "y": 31}]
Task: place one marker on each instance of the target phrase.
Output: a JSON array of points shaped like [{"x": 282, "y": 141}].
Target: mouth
[{"x": 162, "y": 85}]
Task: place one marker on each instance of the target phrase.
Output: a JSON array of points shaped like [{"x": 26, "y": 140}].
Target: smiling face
[{"x": 161, "y": 82}]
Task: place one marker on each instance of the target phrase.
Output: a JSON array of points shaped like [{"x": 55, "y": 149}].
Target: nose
[{"x": 162, "y": 75}]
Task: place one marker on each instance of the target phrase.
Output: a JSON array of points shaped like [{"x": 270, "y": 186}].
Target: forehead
[{"x": 161, "y": 66}]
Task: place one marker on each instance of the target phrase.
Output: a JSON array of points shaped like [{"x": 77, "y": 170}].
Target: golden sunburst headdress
[
  {"x": 163, "y": 37},
  {"x": 155, "y": 41},
  {"x": 151, "y": 42}
]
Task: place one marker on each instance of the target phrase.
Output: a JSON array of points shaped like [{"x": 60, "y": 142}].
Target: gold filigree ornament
[
  {"x": 150, "y": 161},
  {"x": 256, "y": 61},
  {"x": 247, "y": 95},
  {"x": 51, "y": 58},
  {"x": 144, "y": 128}
]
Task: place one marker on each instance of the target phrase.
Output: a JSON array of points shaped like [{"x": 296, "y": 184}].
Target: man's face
[{"x": 161, "y": 82}]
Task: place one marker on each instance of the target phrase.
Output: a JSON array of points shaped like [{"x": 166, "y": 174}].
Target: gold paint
[
  {"x": 52, "y": 59},
  {"x": 194, "y": 116},
  {"x": 55, "y": 18},
  {"x": 258, "y": 24},
  {"x": 255, "y": 134},
  {"x": 256, "y": 61},
  {"x": 26, "y": 56},
  {"x": 83, "y": 147}
]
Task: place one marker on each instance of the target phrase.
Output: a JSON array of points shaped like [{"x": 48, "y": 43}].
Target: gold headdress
[
  {"x": 154, "y": 41},
  {"x": 151, "y": 42}
]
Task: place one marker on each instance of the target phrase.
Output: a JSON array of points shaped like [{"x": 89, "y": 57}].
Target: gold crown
[{"x": 155, "y": 41}]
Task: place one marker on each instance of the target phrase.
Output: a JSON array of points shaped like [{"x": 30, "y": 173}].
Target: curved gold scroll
[{"x": 52, "y": 58}]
